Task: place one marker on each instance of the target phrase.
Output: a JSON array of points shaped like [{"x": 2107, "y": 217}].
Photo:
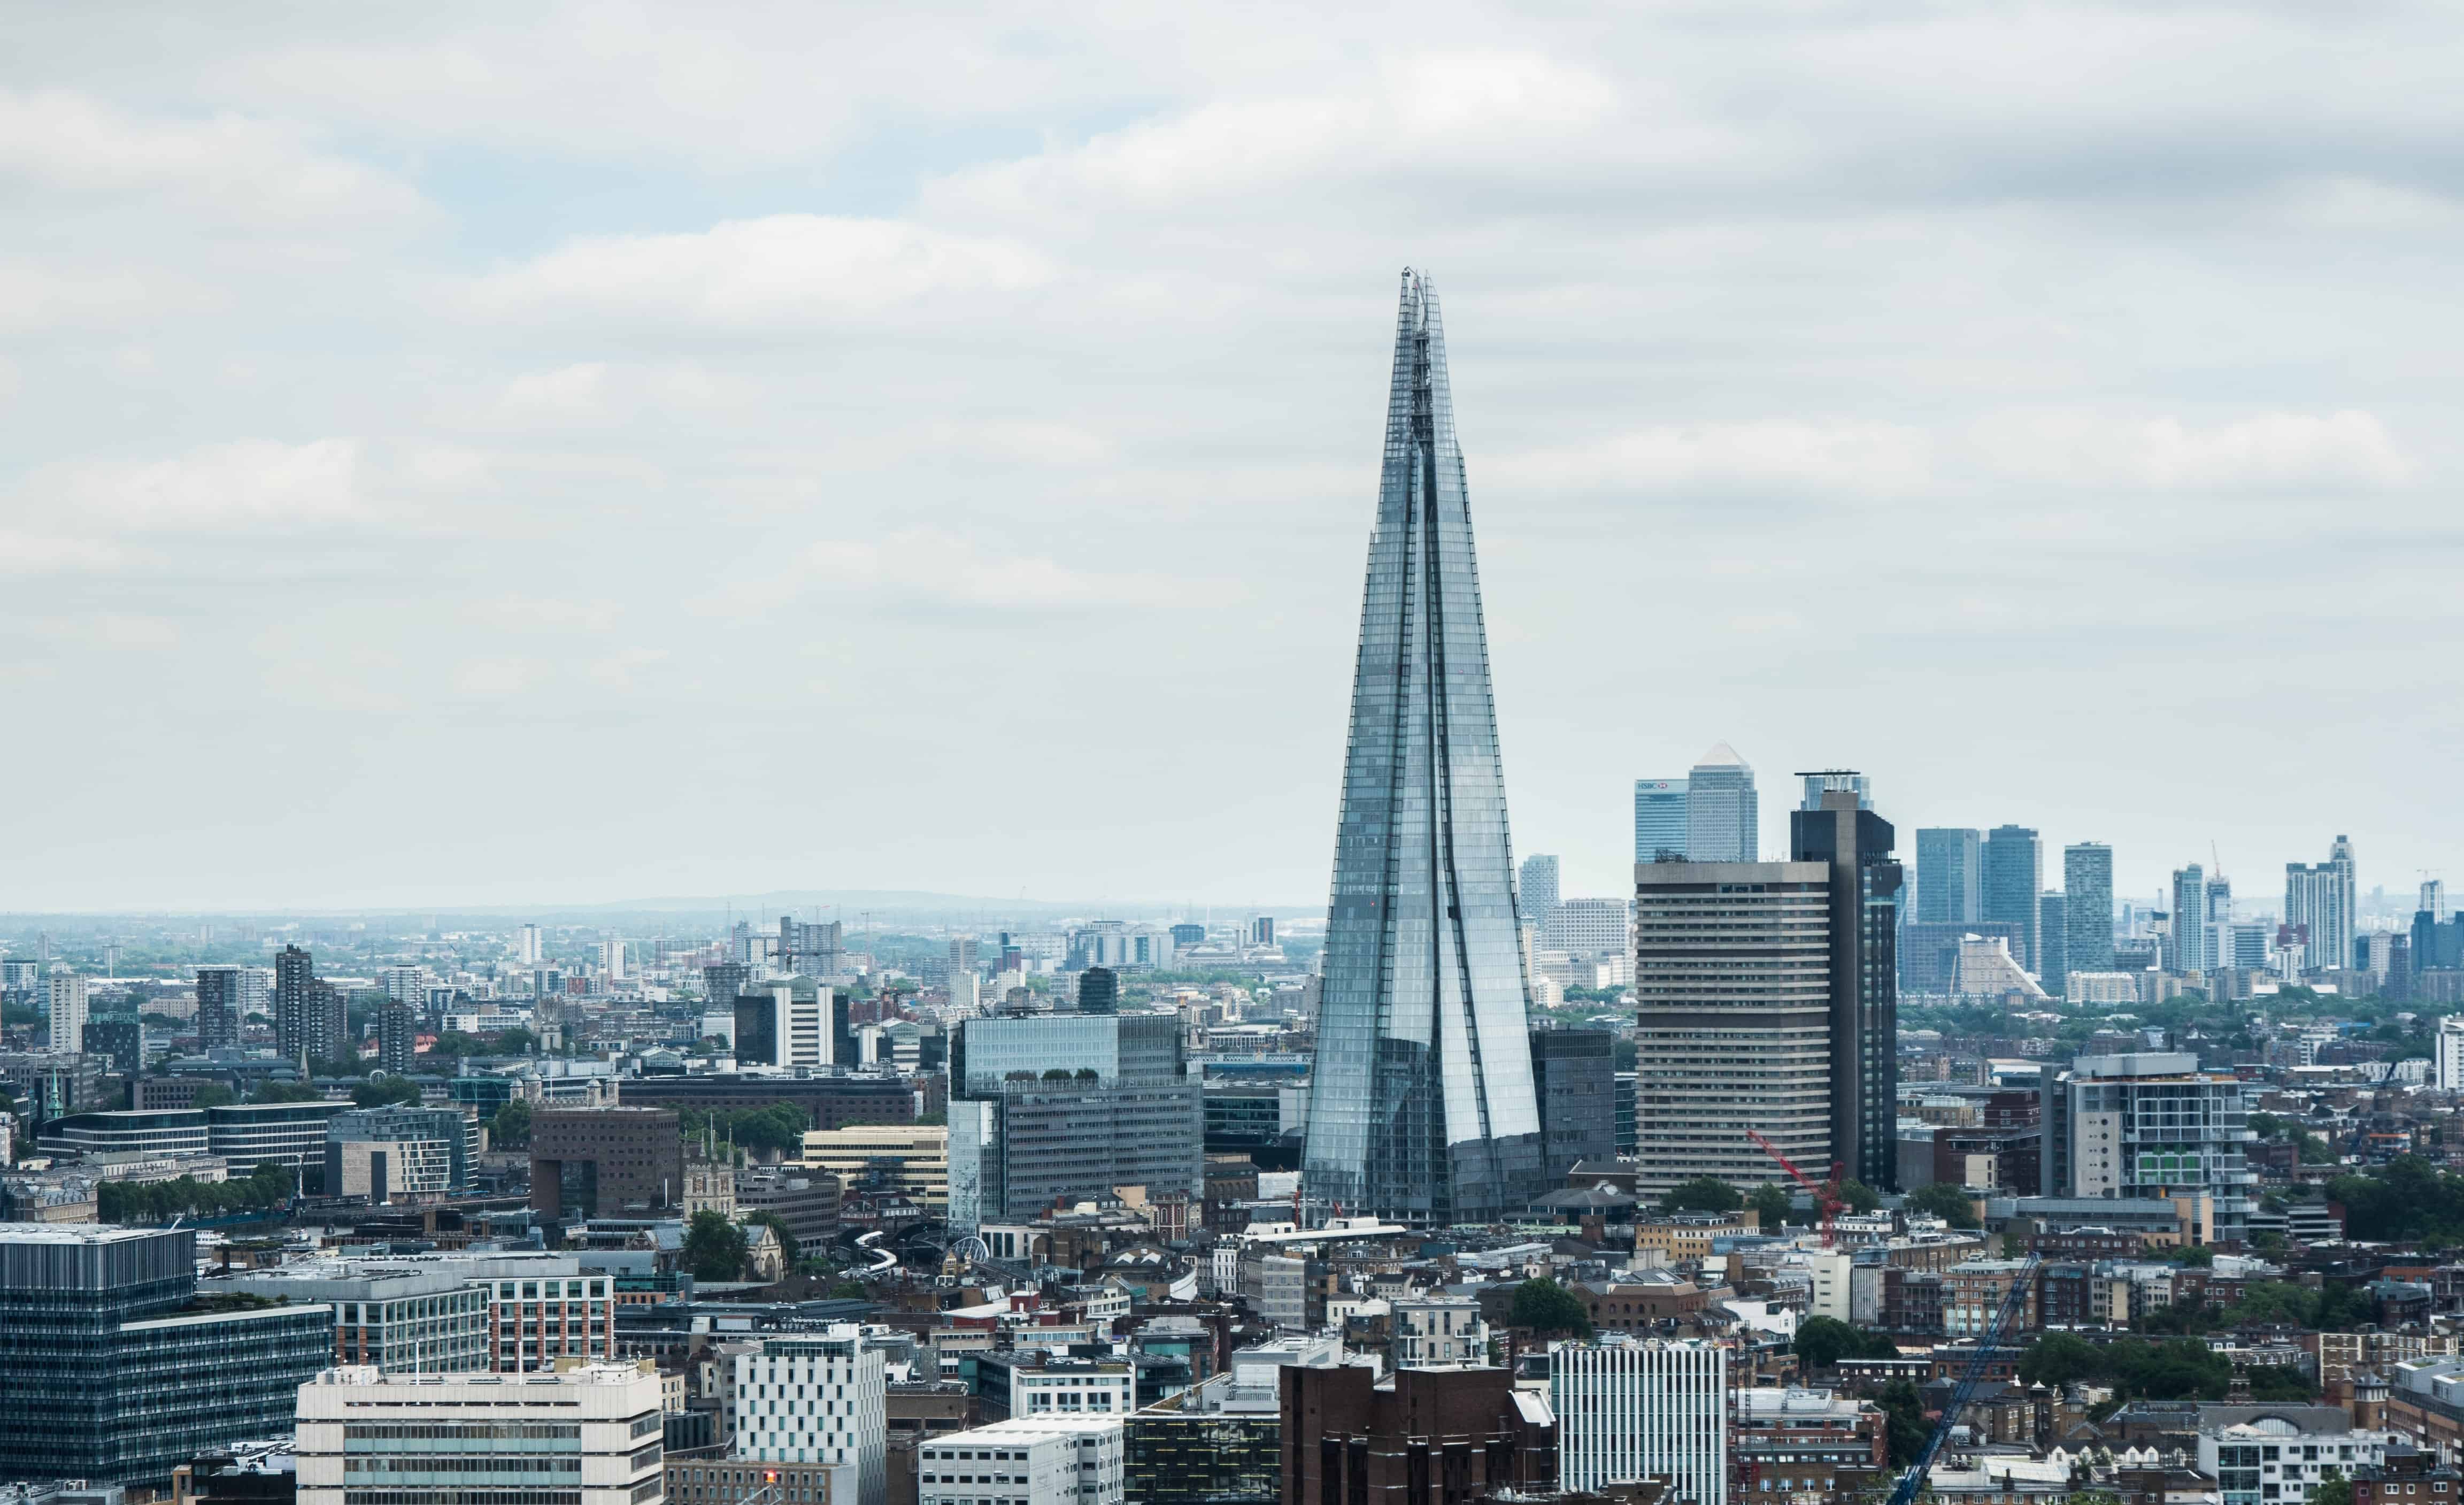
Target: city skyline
[{"x": 726, "y": 411}]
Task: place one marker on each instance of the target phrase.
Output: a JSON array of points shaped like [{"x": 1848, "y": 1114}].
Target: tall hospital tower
[{"x": 1422, "y": 1109}]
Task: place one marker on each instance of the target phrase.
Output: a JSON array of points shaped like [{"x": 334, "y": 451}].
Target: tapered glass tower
[{"x": 1421, "y": 1107}]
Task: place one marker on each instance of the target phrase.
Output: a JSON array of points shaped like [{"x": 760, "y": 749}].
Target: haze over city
[{"x": 583, "y": 455}]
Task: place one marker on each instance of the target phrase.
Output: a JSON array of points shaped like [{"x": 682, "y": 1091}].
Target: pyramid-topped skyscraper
[{"x": 1421, "y": 1105}]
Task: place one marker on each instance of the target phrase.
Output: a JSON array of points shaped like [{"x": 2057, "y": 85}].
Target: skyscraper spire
[{"x": 1421, "y": 1106}]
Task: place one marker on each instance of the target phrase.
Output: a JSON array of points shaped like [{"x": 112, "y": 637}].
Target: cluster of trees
[
  {"x": 386, "y": 1091},
  {"x": 778, "y": 1127},
  {"x": 2171, "y": 1370},
  {"x": 510, "y": 1129},
  {"x": 2407, "y": 1200},
  {"x": 1947, "y": 1202},
  {"x": 1057, "y": 1074},
  {"x": 716, "y": 1249},
  {"x": 2331, "y": 1308},
  {"x": 1772, "y": 1205},
  {"x": 1547, "y": 1307},
  {"x": 1822, "y": 1341},
  {"x": 2313, "y": 1149},
  {"x": 161, "y": 1200}
]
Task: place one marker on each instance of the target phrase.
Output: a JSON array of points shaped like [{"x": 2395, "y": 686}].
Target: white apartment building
[
  {"x": 68, "y": 1011},
  {"x": 527, "y": 945},
  {"x": 2285, "y": 1456},
  {"x": 588, "y": 1436},
  {"x": 1438, "y": 1330},
  {"x": 403, "y": 985},
  {"x": 2447, "y": 1054},
  {"x": 1038, "y": 1460},
  {"x": 540, "y": 1307},
  {"x": 1589, "y": 927},
  {"x": 799, "y": 1030},
  {"x": 1072, "y": 1387},
  {"x": 816, "y": 1399},
  {"x": 1628, "y": 1410}
]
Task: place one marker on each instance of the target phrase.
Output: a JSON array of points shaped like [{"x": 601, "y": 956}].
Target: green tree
[
  {"x": 1771, "y": 1205},
  {"x": 849, "y": 1291},
  {"x": 287, "y": 1092},
  {"x": 1545, "y": 1306},
  {"x": 213, "y": 1095},
  {"x": 2059, "y": 1358},
  {"x": 1908, "y": 1429},
  {"x": 780, "y": 1126},
  {"x": 1822, "y": 1341},
  {"x": 386, "y": 1091},
  {"x": 1947, "y": 1202},
  {"x": 2334, "y": 1489},
  {"x": 1859, "y": 1197},
  {"x": 516, "y": 1040},
  {"x": 714, "y": 1249},
  {"x": 777, "y": 1225},
  {"x": 1701, "y": 1194},
  {"x": 510, "y": 1129}
]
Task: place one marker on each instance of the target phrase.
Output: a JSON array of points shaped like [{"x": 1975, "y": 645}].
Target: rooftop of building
[
  {"x": 1794, "y": 1403},
  {"x": 1025, "y": 1429},
  {"x": 579, "y": 1374},
  {"x": 72, "y": 1233}
]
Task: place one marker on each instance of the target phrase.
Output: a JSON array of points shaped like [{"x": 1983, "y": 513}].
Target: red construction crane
[{"x": 1825, "y": 1194}]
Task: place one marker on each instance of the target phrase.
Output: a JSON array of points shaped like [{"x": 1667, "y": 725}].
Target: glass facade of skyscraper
[
  {"x": 1658, "y": 818},
  {"x": 2087, "y": 909},
  {"x": 1422, "y": 1106}
]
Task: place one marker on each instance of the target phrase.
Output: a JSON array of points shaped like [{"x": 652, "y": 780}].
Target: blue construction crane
[{"x": 1914, "y": 1479}]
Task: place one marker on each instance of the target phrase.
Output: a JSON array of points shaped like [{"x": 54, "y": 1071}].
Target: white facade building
[
  {"x": 528, "y": 943},
  {"x": 1040, "y": 1460},
  {"x": 816, "y": 1399},
  {"x": 1628, "y": 1410},
  {"x": 800, "y": 1027},
  {"x": 588, "y": 1436},
  {"x": 2284, "y": 1456},
  {"x": 68, "y": 1011},
  {"x": 2320, "y": 899},
  {"x": 2447, "y": 1054},
  {"x": 1438, "y": 1330},
  {"x": 1589, "y": 927}
]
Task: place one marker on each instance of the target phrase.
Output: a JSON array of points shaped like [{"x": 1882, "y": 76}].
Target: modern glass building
[
  {"x": 1658, "y": 818},
  {"x": 1950, "y": 875},
  {"x": 2015, "y": 875},
  {"x": 1421, "y": 1105},
  {"x": 2087, "y": 915},
  {"x": 110, "y": 1373},
  {"x": 1723, "y": 813}
]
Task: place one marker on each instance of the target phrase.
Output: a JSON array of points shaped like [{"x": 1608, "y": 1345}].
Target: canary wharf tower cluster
[{"x": 1423, "y": 1105}]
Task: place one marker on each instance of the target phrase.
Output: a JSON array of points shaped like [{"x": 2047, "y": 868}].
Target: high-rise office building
[
  {"x": 1818, "y": 784},
  {"x": 1629, "y": 1410},
  {"x": 2015, "y": 875},
  {"x": 816, "y": 1398},
  {"x": 527, "y": 946},
  {"x": 1099, "y": 991},
  {"x": 1421, "y": 1105},
  {"x": 1723, "y": 822},
  {"x": 2087, "y": 910},
  {"x": 67, "y": 1013},
  {"x": 793, "y": 1023},
  {"x": 2188, "y": 951},
  {"x": 1864, "y": 883},
  {"x": 1538, "y": 888},
  {"x": 1069, "y": 1105},
  {"x": 1589, "y": 927},
  {"x": 2433, "y": 898},
  {"x": 2054, "y": 933},
  {"x": 104, "y": 1377},
  {"x": 1950, "y": 875},
  {"x": 1658, "y": 818},
  {"x": 1732, "y": 986},
  {"x": 807, "y": 949},
  {"x": 2320, "y": 900},
  {"x": 2447, "y": 1061},
  {"x": 1574, "y": 1072},
  {"x": 218, "y": 1007},
  {"x": 587, "y": 1435}
]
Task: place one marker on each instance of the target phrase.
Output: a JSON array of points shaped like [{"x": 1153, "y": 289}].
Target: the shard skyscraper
[{"x": 1421, "y": 1107}]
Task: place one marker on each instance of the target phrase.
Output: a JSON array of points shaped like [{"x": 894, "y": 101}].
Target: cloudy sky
[{"x": 449, "y": 457}]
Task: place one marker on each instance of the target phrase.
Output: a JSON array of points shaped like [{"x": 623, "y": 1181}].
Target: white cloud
[
  {"x": 587, "y": 616},
  {"x": 2347, "y": 450},
  {"x": 225, "y": 164},
  {"x": 929, "y": 567},
  {"x": 617, "y": 670},
  {"x": 1792, "y": 453},
  {"x": 755, "y": 274},
  {"x": 35, "y": 295},
  {"x": 247, "y": 484},
  {"x": 495, "y": 678},
  {"x": 37, "y": 554}
]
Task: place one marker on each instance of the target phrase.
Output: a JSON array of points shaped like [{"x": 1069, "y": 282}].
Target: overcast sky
[{"x": 450, "y": 457}]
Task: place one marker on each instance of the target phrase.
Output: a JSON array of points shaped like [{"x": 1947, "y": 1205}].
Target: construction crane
[
  {"x": 1913, "y": 1481},
  {"x": 1825, "y": 1194}
]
